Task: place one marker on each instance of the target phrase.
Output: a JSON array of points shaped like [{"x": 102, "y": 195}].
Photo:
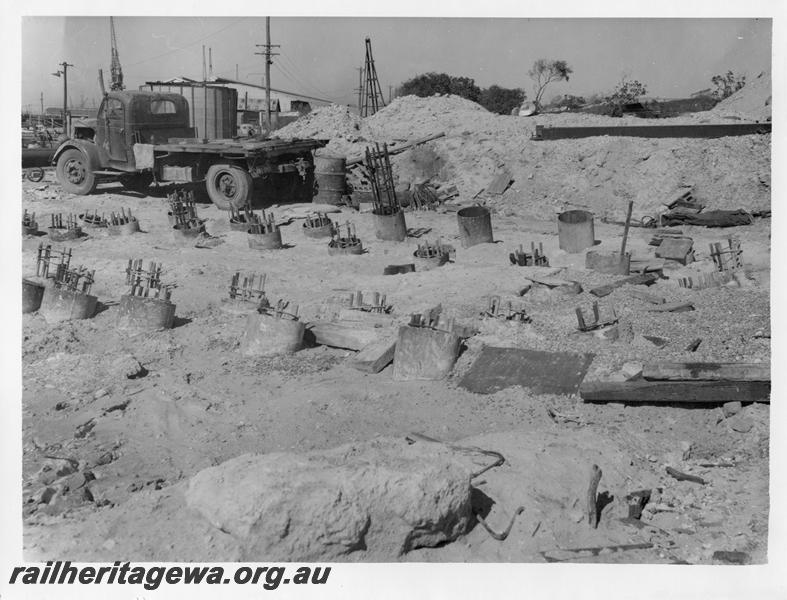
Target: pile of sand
[
  {"x": 599, "y": 174},
  {"x": 752, "y": 102}
]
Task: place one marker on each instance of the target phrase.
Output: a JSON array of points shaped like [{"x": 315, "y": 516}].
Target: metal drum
[
  {"x": 475, "y": 226},
  {"x": 575, "y": 230},
  {"x": 330, "y": 179}
]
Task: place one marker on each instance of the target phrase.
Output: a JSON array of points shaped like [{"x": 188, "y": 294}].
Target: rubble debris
[
  {"x": 540, "y": 372},
  {"x": 694, "y": 345}
]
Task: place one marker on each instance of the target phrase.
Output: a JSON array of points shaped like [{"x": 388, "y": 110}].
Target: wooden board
[
  {"x": 605, "y": 290},
  {"x": 374, "y": 357},
  {"x": 646, "y": 296},
  {"x": 673, "y": 307},
  {"x": 675, "y": 249},
  {"x": 499, "y": 183},
  {"x": 342, "y": 335},
  {"x": 541, "y": 372},
  {"x": 712, "y": 392},
  {"x": 696, "y": 371}
]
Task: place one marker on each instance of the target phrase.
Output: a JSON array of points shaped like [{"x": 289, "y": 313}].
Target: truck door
[{"x": 116, "y": 129}]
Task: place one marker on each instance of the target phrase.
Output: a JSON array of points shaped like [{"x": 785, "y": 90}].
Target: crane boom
[{"x": 115, "y": 70}]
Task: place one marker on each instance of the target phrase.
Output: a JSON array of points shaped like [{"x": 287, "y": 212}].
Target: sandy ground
[{"x": 199, "y": 402}]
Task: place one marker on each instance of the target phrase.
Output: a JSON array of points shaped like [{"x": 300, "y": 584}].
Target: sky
[{"x": 320, "y": 56}]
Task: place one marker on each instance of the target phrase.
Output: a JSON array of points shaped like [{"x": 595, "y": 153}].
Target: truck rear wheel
[
  {"x": 228, "y": 186},
  {"x": 74, "y": 174}
]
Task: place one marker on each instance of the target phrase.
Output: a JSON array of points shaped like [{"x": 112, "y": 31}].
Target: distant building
[{"x": 285, "y": 106}]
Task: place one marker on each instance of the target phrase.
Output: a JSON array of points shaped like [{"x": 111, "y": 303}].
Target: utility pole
[
  {"x": 268, "y": 62},
  {"x": 390, "y": 94},
  {"x": 42, "y": 108},
  {"x": 210, "y": 63},
  {"x": 64, "y": 75}
]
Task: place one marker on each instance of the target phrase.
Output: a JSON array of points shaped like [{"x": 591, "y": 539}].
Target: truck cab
[{"x": 128, "y": 118}]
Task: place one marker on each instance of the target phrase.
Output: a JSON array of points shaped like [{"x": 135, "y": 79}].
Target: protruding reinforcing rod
[{"x": 147, "y": 283}]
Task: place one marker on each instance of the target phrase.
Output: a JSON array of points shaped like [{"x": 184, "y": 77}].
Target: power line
[{"x": 186, "y": 45}]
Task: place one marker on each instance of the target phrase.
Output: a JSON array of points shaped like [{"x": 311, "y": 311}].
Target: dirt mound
[
  {"x": 599, "y": 174},
  {"x": 333, "y": 122},
  {"x": 751, "y": 102},
  {"x": 408, "y": 117}
]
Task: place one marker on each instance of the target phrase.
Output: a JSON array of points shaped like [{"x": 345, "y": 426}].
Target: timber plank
[
  {"x": 707, "y": 371},
  {"x": 499, "y": 183},
  {"x": 711, "y": 392},
  {"x": 374, "y": 357},
  {"x": 642, "y": 279}
]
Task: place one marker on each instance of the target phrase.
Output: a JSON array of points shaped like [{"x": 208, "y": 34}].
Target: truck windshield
[{"x": 162, "y": 107}]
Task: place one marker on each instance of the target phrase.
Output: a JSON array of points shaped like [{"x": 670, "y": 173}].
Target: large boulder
[{"x": 382, "y": 496}]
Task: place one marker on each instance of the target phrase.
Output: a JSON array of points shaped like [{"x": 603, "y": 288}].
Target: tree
[
  {"x": 727, "y": 85},
  {"x": 545, "y": 72},
  {"x": 501, "y": 100},
  {"x": 626, "y": 92},
  {"x": 430, "y": 84}
]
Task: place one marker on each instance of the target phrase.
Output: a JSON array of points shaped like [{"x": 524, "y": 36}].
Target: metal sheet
[{"x": 541, "y": 372}]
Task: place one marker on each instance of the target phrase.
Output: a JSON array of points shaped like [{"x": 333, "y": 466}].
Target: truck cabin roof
[{"x": 143, "y": 107}]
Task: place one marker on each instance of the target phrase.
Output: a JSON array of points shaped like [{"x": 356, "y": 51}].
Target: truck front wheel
[
  {"x": 74, "y": 174},
  {"x": 228, "y": 186}
]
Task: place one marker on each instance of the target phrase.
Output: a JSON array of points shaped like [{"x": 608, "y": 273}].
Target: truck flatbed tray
[{"x": 241, "y": 147}]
